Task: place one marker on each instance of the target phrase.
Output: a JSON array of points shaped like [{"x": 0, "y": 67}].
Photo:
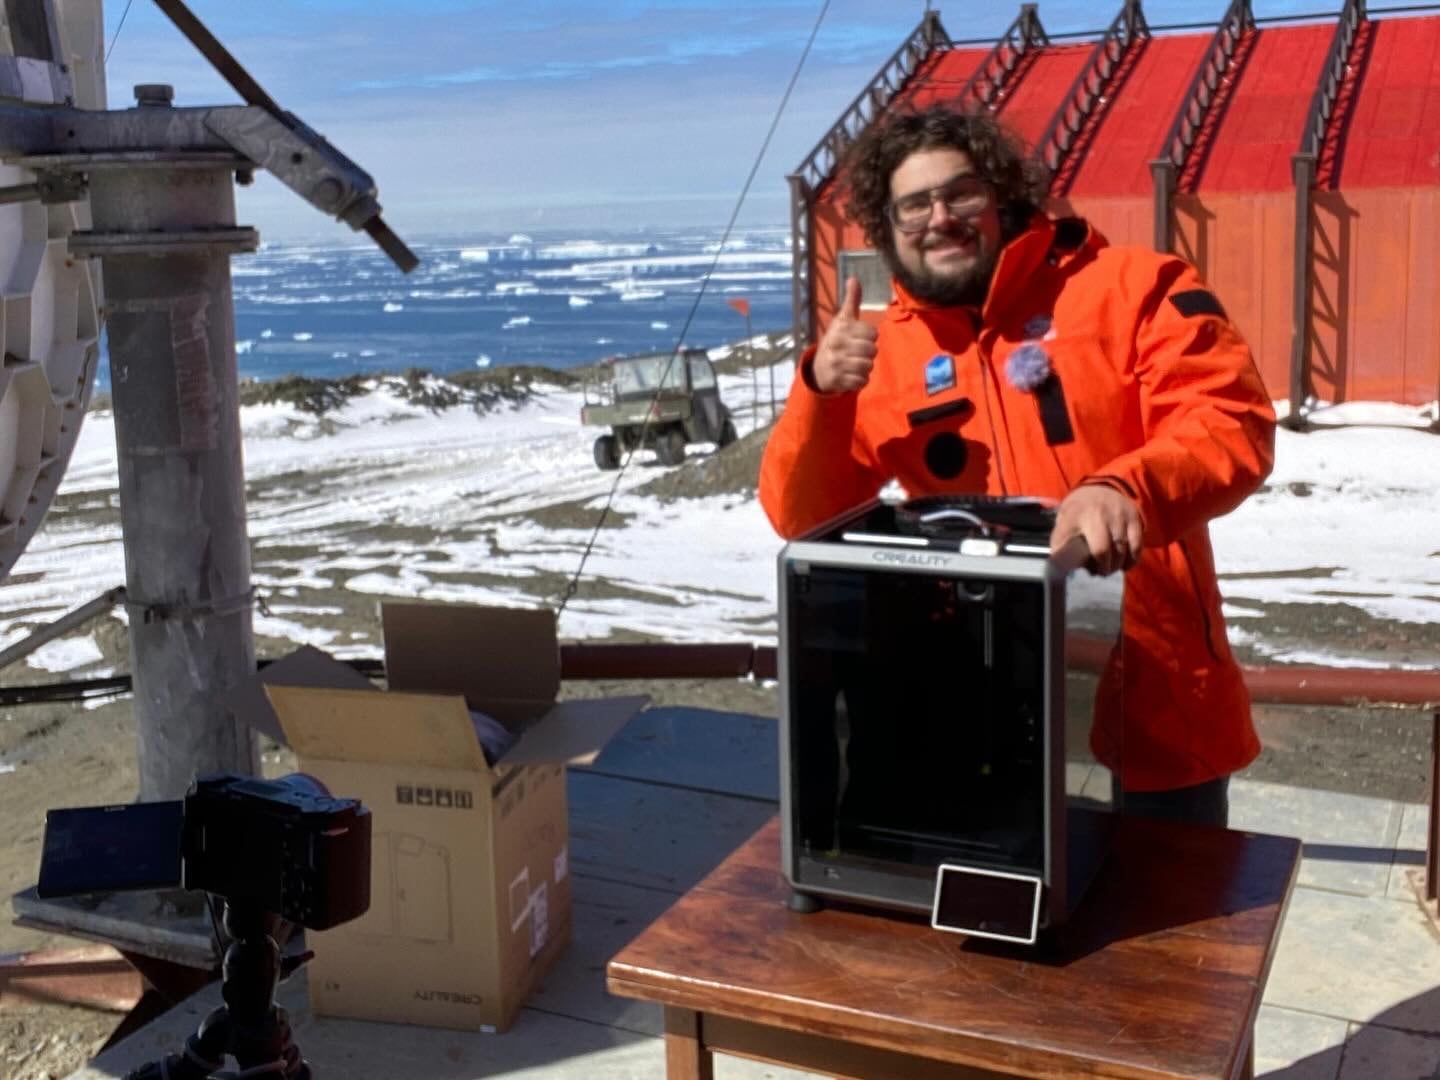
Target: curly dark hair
[{"x": 1021, "y": 182}]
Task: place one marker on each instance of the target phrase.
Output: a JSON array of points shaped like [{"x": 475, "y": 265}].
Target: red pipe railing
[{"x": 1281, "y": 684}]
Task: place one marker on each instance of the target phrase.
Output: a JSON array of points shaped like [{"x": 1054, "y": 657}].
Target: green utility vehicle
[{"x": 676, "y": 393}]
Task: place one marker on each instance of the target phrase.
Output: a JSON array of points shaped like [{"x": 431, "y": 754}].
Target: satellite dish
[{"x": 49, "y": 300}]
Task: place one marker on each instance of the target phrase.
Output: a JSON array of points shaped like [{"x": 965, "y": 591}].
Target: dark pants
[{"x": 1203, "y": 804}]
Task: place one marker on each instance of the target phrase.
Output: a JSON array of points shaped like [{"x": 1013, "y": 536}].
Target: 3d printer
[{"x": 923, "y": 669}]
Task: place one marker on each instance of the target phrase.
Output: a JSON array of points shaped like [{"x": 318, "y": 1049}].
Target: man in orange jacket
[{"x": 1023, "y": 355}]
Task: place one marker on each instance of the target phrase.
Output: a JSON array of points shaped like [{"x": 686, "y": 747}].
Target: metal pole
[
  {"x": 1162, "y": 177},
  {"x": 164, "y": 230},
  {"x": 1432, "y": 835},
  {"x": 755, "y": 392},
  {"x": 1302, "y": 167},
  {"x": 750, "y": 344}
]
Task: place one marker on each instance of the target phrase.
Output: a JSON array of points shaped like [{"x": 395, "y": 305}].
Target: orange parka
[{"x": 1158, "y": 397}]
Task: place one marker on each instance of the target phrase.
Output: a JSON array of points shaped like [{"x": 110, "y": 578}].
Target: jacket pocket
[{"x": 1207, "y": 599}]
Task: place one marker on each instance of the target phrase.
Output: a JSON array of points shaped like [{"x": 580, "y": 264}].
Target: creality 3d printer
[{"x": 923, "y": 746}]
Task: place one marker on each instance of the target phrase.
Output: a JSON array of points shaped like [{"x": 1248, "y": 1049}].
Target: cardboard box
[{"x": 470, "y": 885}]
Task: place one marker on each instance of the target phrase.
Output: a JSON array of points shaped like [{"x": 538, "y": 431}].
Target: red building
[{"x": 1296, "y": 163}]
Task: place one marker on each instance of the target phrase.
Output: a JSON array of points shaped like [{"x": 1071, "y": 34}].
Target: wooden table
[{"x": 1159, "y": 975}]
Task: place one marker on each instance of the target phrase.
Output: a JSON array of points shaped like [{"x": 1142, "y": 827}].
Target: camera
[{"x": 283, "y": 846}]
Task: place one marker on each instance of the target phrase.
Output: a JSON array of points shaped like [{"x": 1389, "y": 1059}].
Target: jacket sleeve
[
  {"x": 814, "y": 466},
  {"x": 1209, "y": 427}
]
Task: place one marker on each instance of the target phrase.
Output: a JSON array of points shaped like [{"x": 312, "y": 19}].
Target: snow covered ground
[{"x": 385, "y": 499}]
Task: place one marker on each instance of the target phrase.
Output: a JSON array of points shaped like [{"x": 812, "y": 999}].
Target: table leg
[{"x": 686, "y": 1057}]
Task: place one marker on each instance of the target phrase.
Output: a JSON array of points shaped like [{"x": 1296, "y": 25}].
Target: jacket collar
[{"x": 1018, "y": 262}]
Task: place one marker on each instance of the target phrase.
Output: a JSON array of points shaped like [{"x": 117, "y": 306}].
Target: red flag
[{"x": 741, "y": 305}]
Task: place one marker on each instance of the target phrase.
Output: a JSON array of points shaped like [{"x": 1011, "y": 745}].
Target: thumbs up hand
[{"x": 847, "y": 351}]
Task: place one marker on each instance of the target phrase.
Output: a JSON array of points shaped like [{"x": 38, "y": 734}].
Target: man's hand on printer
[{"x": 1107, "y": 520}]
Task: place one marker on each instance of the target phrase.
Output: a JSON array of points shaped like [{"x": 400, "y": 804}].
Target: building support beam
[{"x": 1302, "y": 169}]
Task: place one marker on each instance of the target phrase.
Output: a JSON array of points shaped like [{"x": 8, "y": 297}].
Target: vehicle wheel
[
  {"x": 670, "y": 447},
  {"x": 728, "y": 433},
  {"x": 607, "y": 452}
]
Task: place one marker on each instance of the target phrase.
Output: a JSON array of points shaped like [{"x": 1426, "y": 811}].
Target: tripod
[{"x": 249, "y": 1027}]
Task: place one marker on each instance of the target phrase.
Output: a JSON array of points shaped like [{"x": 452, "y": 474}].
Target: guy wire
[
  {"x": 119, "y": 26},
  {"x": 574, "y": 584}
]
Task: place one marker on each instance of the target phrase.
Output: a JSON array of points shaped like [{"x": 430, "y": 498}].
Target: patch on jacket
[
  {"x": 945, "y": 455},
  {"x": 962, "y": 407},
  {"x": 939, "y": 373},
  {"x": 1039, "y": 327},
  {"x": 1194, "y": 302}
]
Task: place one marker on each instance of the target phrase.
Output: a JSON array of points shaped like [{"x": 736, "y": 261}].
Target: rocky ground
[{"x": 69, "y": 754}]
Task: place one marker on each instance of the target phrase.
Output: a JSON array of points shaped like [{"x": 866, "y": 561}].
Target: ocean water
[{"x": 556, "y": 300}]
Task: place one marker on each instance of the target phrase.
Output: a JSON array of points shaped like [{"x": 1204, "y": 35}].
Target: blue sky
[{"x": 506, "y": 115}]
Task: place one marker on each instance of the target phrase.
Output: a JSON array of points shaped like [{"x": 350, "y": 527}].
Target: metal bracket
[
  {"x": 148, "y": 612},
  {"x": 50, "y": 187},
  {"x": 299, "y": 157},
  {"x": 302, "y": 160}
]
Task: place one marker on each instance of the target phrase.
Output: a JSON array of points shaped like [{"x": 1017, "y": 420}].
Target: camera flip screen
[{"x": 111, "y": 848}]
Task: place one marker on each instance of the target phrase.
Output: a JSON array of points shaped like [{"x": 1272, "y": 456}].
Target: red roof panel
[
  {"x": 1393, "y": 139},
  {"x": 951, "y": 71},
  {"x": 1138, "y": 118},
  {"x": 1265, "y": 119},
  {"x": 1033, "y": 101}
]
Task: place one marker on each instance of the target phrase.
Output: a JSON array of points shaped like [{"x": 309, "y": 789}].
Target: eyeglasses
[{"x": 964, "y": 196}]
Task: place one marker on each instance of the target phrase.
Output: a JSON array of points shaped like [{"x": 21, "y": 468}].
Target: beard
[{"x": 967, "y": 288}]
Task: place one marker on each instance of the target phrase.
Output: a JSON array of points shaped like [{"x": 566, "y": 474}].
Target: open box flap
[
  {"x": 488, "y": 654},
  {"x": 433, "y": 730},
  {"x": 306, "y": 666},
  {"x": 573, "y": 732}
]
